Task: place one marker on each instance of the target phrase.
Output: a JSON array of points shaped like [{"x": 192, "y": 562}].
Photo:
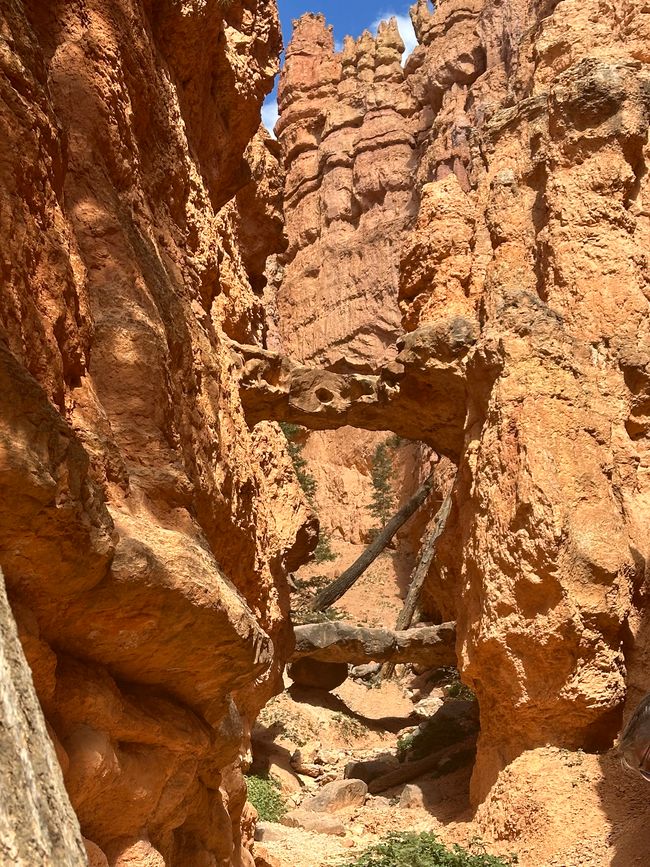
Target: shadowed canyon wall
[
  {"x": 517, "y": 139},
  {"x": 145, "y": 533}
]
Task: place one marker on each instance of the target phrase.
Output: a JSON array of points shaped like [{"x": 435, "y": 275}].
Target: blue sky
[{"x": 349, "y": 17}]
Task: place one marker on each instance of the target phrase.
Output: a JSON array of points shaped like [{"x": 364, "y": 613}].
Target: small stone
[
  {"x": 411, "y": 798},
  {"x": 361, "y": 672},
  {"x": 303, "y": 760},
  {"x": 329, "y": 777},
  {"x": 263, "y": 858},
  {"x": 427, "y": 707},
  {"x": 378, "y": 802}
]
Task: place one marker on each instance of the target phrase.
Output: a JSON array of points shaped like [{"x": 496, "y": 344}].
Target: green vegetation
[
  {"x": 349, "y": 727},
  {"x": 404, "y": 745},
  {"x": 457, "y": 689},
  {"x": 303, "y": 615},
  {"x": 425, "y": 850},
  {"x": 441, "y": 730},
  {"x": 382, "y": 472},
  {"x": 301, "y": 611},
  {"x": 264, "y": 795},
  {"x": 294, "y": 446},
  {"x": 449, "y": 678},
  {"x": 323, "y": 550}
]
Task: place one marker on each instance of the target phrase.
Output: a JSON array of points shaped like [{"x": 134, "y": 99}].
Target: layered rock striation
[
  {"x": 348, "y": 151},
  {"x": 522, "y": 130},
  {"x": 145, "y": 533}
]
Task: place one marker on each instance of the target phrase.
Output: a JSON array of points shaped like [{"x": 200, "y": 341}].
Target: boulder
[
  {"x": 368, "y": 771},
  {"x": 269, "y": 832},
  {"x": 337, "y": 796},
  {"x": 338, "y": 641},
  {"x": 411, "y": 797}
]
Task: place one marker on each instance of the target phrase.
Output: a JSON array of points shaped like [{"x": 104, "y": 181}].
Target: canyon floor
[{"x": 551, "y": 808}]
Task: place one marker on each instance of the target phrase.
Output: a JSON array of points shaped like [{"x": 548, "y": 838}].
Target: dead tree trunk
[
  {"x": 419, "y": 575},
  {"x": 342, "y": 584},
  {"x": 412, "y": 770}
]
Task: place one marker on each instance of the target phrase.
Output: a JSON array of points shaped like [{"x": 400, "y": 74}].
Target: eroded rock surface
[
  {"x": 349, "y": 151},
  {"x": 37, "y": 823},
  {"x": 145, "y": 533},
  {"x": 420, "y": 395},
  {"x": 526, "y": 126}
]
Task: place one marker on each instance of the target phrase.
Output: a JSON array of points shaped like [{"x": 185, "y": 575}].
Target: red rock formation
[
  {"x": 145, "y": 533},
  {"x": 521, "y": 128}
]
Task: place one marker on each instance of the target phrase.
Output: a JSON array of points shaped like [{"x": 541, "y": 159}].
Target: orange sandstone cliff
[
  {"x": 512, "y": 153},
  {"x": 496, "y": 189},
  {"x": 145, "y": 533},
  {"x": 349, "y": 152}
]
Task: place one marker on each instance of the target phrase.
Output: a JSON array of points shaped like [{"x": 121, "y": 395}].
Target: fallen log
[
  {"x": 435, "y": 762},
  {"x": 330, "y": 594},
  {"x": 338, "y": 641}
]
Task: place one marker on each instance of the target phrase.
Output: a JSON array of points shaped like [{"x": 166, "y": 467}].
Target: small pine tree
[
  {"x": 323, "y": 550},
  {"x": 294, "y": 447},
  {"x": 383, "y": 500}
]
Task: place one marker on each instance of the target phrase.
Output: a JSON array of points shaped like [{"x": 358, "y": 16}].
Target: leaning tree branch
[
  {"x": 420, "y": 573},
  {"x": 347, "y": 579}
]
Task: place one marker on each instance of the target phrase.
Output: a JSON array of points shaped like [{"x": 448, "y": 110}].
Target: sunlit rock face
[
  {"x": 512, "y": 150},
  {"x": 348, "y": 142},
  {"x": 145, "y": 533}
]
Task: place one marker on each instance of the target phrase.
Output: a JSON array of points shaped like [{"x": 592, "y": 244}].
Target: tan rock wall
[
  {"x": 527, "y": 221},
  {"x": 540, "y": 235},
  {"x": 145, "y": 532},
  {"x": 348, "y": 145}
]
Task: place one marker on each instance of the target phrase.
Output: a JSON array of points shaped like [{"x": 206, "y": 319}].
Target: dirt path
[{"x": 552, "y": 807}]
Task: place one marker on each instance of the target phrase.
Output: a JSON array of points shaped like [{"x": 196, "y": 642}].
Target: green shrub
[
  {"x": 425, "y": 850},
  {"x": 457, "y": 689},
  {"x": 307, "y": 482},
  {"x": 304, "y": 615},
  {"x": 265, "y": 796},
  {"x": 404, "y": 745}
]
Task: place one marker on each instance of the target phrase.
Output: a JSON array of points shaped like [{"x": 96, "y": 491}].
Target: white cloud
[
  {"x": 270, "y": 114},
  {"x": 406, "y": 30}
]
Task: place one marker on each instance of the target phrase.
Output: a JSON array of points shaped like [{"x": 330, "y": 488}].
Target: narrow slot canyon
[{"x": 324, "y": 449}]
